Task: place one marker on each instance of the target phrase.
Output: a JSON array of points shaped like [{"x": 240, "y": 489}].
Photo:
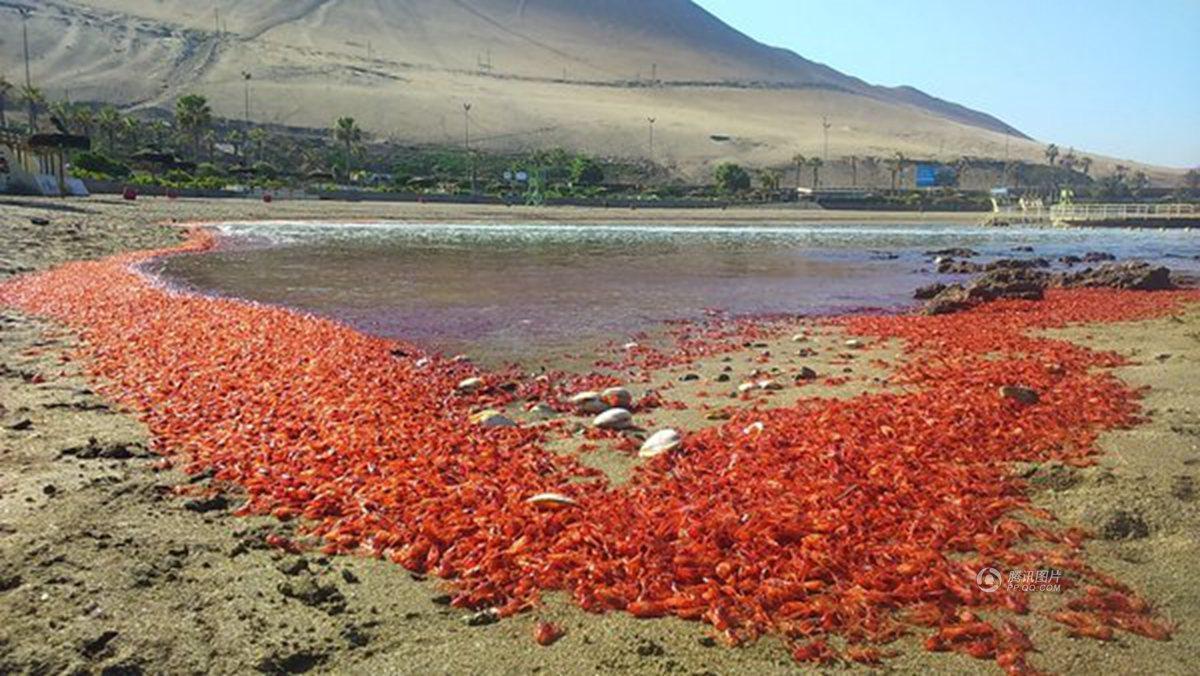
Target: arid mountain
[{"x": 587, "y": 75}]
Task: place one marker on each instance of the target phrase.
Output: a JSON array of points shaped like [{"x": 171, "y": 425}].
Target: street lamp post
[
  {"x": 467, "y": 143},
  {"x": 652, "y": 120}
]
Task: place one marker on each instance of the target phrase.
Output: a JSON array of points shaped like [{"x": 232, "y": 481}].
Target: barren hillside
[{"x": 586, "y": 75}]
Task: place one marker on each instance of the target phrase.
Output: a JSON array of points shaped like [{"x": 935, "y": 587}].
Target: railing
[{"x": 1121, "y": 212}]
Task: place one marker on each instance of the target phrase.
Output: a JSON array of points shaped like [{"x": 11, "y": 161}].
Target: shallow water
[{"x": 512, "y": 292}]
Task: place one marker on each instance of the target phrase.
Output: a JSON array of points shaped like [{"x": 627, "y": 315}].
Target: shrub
[
  {"x": 732, "y": 178},
  {"x": 586, "y": 172},
  {"x": 99, "y": 165}
]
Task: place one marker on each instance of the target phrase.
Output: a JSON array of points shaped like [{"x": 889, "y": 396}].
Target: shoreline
[{"x": 510, "y": 636}]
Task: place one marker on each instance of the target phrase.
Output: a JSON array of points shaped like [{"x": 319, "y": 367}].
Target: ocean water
[{"x": 509, "y": 292}]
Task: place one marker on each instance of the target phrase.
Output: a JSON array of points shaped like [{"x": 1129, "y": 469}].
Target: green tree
[
  {"x": 110, "y": 123},
  {"x": 35, "y": 100},
  {"x": 1051, "y": 153},
  {"x": 1085, "y": 165},
  {"x": 769, "y": 179},
  {"x": 347, "y": 132},
  {"x": 586, "y": 172},
  {"x": 6, "y": 88},
  {"x": 1192, "y": 180},
  {"x": 732, "y": 178},
  {"x": 193, "y": 116},
  {"x": 961, "y": 166}
]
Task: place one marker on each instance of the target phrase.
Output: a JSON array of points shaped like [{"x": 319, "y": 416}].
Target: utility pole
[
  {"x": 28, "y": 77},
  {"x": 467, "y": 143},
  {"x": 247, "y": 77},
  {"x": 25, "y": 37},
  {"x": 825, "y": 128},
  {"x": 652, "y": 120}
]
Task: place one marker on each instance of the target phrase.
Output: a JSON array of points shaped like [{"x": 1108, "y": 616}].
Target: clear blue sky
[{"x": 1117, "y": 77}]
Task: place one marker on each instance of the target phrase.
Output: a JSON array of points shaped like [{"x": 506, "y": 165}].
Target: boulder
[{"x": 1135, "y": 275}]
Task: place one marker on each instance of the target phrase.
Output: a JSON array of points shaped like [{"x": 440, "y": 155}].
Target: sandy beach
[{"x": 106, "y": 564}]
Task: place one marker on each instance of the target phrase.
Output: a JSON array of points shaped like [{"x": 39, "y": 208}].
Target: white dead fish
[{"x": 552, "y": 499}]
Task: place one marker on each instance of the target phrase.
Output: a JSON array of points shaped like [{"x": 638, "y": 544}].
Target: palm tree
[
  {"x": 1085, "y": 165},
  {"x": 800, "y": 161},
  {"x": 35, "y": 99},
  {"x": 815, "y": 164},
  {"x": 110, "y": 123},
  {"x": 961, "y": 165},
  {"x": 132, "y": 129},
  {"x": 853, "y": 170},
  {"x": 896, "y": 165},
  {"x": 6, "y": 87},
  {"x": 60, "y": 115},
  {"x": 769, "y": 178},
  {"x": 347, "y": 132},
  {"x": 83, "y": 118},
  {"x": 193, "y": 116},
  {"x": 159, "y": 131},
  {"x": 1051, "y": 154}
]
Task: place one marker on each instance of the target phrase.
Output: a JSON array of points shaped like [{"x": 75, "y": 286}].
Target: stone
[
  {"x": 492, "y": 419},
  {"x": 806, "y": 373},
  {"x": 617, "y": 397},
  {"x": 747, "y": 387},
  {"x": 663, "y": 441},
  {"x": 854, "y": 344},
  {"x": 769, "y": 385},
  {"x": 799, "y": 338},
  {"x": 614, "y": 419},
  {"x": 1023, "y": 395},
  {"x": 588, "y": 402},
  {"x": 470, "y": 385},
  {"x": 723, "y": 378},
  {"x": 689, "y": 377},
  {"x": 543, "y": 411}
]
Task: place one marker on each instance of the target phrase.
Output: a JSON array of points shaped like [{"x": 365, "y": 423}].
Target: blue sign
[{"x": 935, "y": 175}]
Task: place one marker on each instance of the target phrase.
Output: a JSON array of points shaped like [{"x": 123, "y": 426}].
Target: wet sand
[{"x": 101, "y": 566}]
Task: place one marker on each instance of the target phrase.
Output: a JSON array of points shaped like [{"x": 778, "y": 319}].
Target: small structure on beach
[{"x": 37, "y": 164}]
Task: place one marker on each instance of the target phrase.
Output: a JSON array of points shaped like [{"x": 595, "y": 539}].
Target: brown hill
[{"x": 586, "y": 75}]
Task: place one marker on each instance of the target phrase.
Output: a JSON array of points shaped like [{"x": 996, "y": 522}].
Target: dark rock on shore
[
  {"x": 929, "y": 291},
  {"x": 1024, "y": 280},
  {"x": 949, "y": 266},
  {"x": 1022, "y": 284},
  {"x": 1135, "y": 275},
  {"x": 954, "y": 252}
]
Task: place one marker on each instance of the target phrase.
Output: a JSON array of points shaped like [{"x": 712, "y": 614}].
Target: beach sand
[{"x": 101, "y": 566}]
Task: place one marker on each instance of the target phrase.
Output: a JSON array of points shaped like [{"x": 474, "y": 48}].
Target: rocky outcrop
[
  {"x": 1135, "y": 275},
  {"x": 1025, "y": 280}
]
